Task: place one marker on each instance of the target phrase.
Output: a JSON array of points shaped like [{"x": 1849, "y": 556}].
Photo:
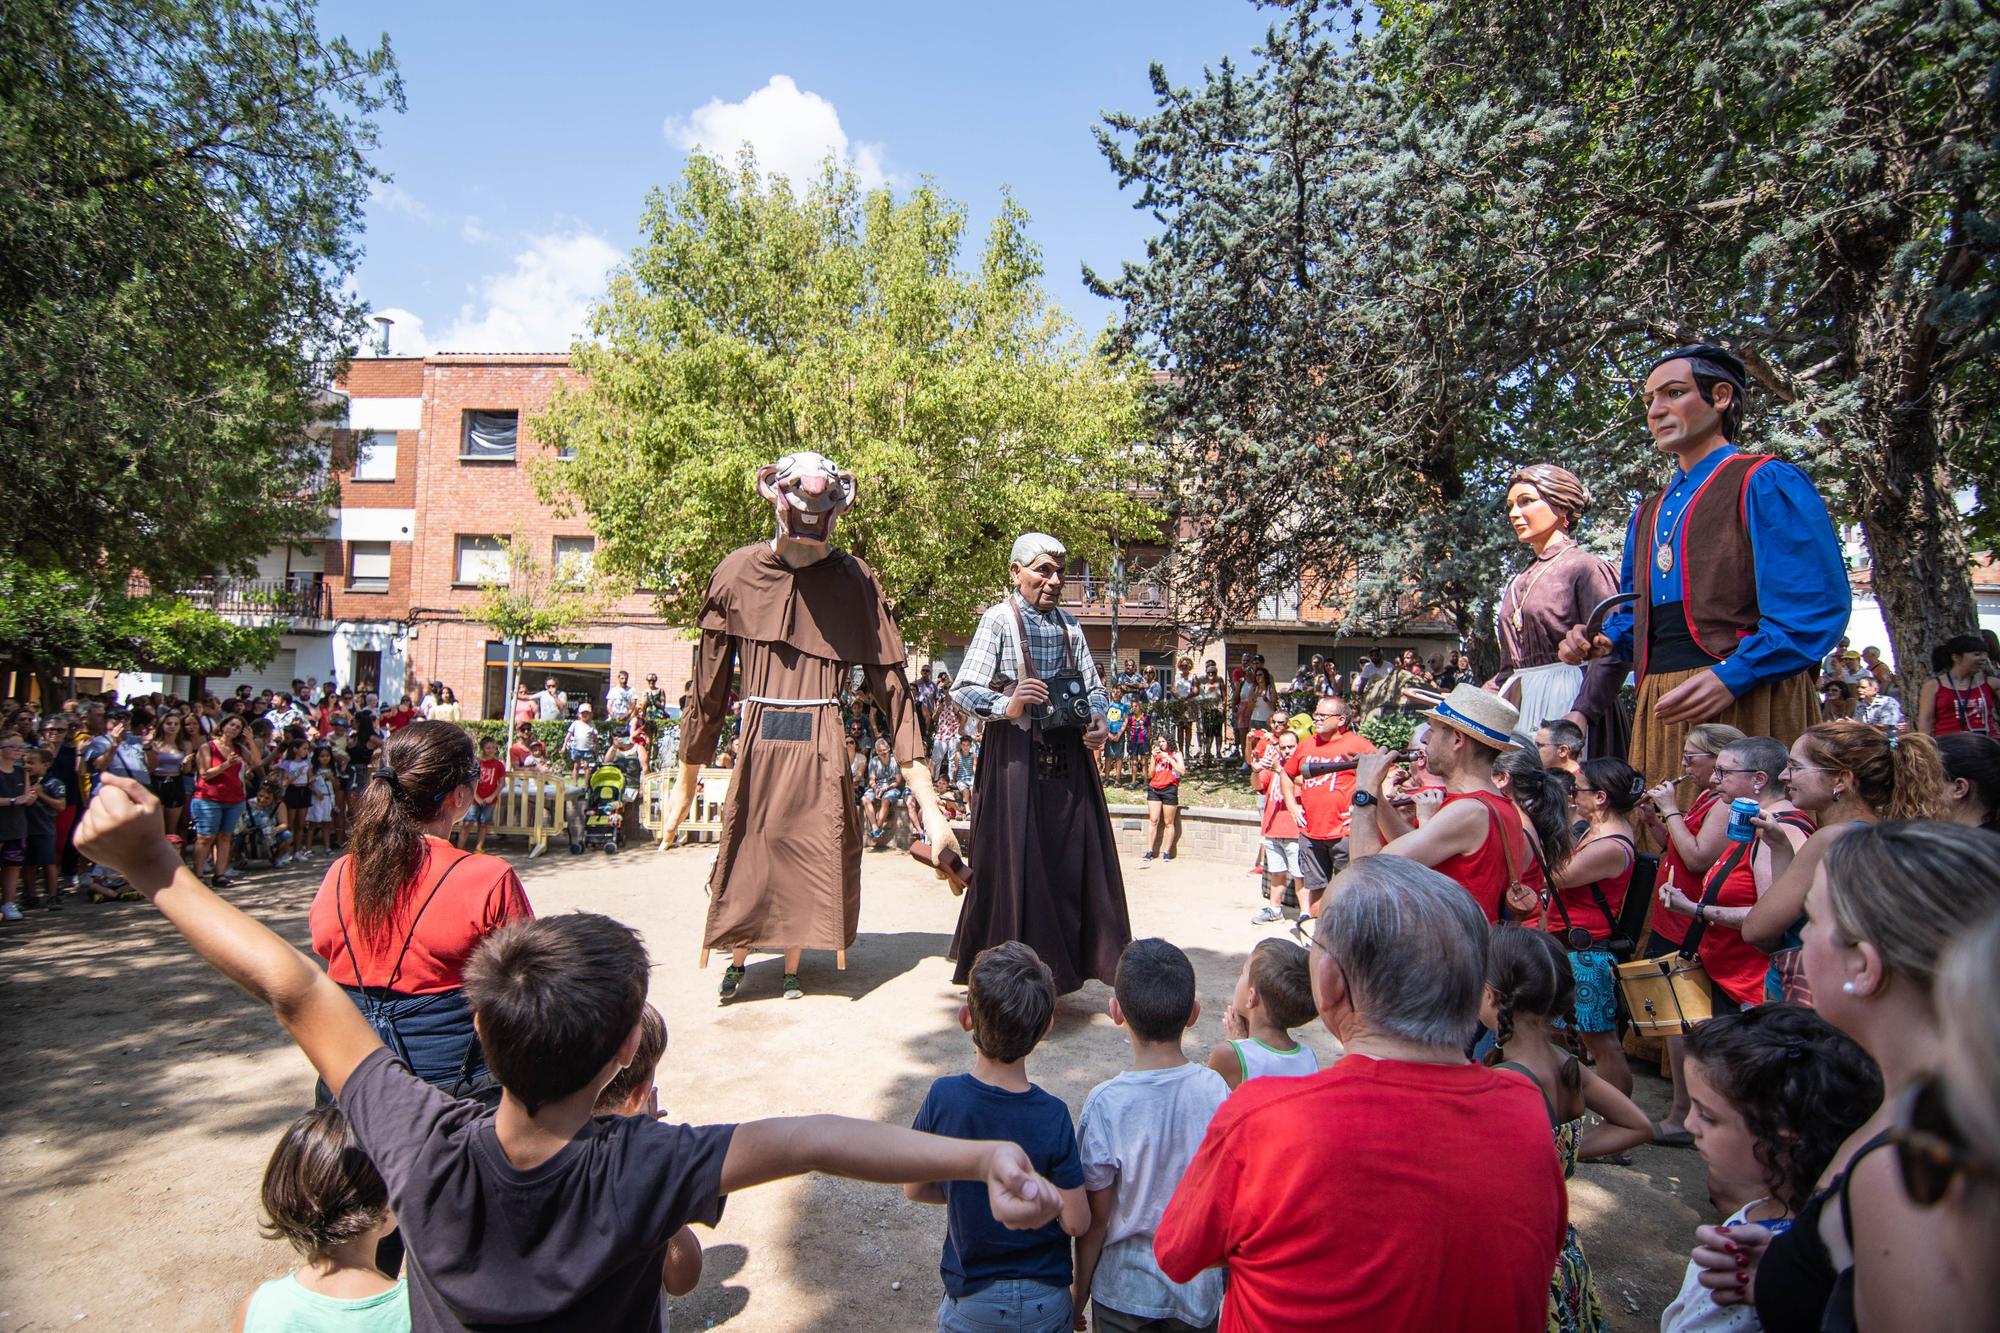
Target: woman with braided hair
[
  {"x": 1556, "y": 590},
  {"x": 1530, "y": 1004},
  {"x": 397, "y": 917}
]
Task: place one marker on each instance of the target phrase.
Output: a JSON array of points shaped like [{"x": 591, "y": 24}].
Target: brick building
[{"x": 433, "y": 458}]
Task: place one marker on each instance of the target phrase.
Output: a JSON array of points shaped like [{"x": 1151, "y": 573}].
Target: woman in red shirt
[
  {"x": 1684, "y": 859},
  {"x": 1958, "y": 698},
  {"x": 1585, "y": 899},
  {"x": 219, "y": 768},
  {"x": 1163, "y": 796},
  {"x": 397, "y": 920}
]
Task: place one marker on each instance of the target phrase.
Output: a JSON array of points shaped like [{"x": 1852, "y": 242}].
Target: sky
[{"x": 534, "y": 132}]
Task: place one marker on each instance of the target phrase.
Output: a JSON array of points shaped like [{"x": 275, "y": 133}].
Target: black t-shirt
[
  {"x": 41, "y": 819},
  {"x": 575, "y": 1243},
  {"x": 13, "y": 818}
]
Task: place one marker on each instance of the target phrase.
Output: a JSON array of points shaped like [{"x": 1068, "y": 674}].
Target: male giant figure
[
  {"x": 1739, "y": 581},
  {"x": 789, "y": 618},
  {"x": 1044, "y": 865}
]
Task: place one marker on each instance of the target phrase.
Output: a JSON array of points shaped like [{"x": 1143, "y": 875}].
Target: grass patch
[{"x": 1226, "y": 787}]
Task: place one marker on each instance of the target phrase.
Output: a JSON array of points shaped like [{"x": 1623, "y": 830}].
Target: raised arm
[
  {"x": 121, "y": 829},
  {"x": 1792, "y": 870},
  {"x": 764, "y": 1150}
]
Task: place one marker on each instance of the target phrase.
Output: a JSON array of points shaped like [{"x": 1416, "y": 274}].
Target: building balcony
[
  {"x": 300, "y": 601},
  {"x": 1088, "y": 598}
]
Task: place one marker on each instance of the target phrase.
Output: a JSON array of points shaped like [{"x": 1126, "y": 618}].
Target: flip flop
[{"x": 1678, "y": 1139}]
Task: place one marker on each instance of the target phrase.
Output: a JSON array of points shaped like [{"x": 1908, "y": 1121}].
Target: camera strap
[{"x": 1028, "y": 671}]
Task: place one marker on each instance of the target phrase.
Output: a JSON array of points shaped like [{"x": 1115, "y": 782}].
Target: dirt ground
[{"x": 140, "y": 1095}]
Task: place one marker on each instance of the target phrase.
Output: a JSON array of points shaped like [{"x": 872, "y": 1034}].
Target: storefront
[{"x": 581, "y": 670}]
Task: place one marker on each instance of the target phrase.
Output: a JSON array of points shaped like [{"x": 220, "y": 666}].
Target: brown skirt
[
  {"x": 1044, "y": 866},
  {"x": 1781, "y": 708}
]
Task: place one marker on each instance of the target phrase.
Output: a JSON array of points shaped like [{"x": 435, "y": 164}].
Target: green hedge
[
  {"x": 550, "y": 734},
  {"x": 1391, "y": 731}
]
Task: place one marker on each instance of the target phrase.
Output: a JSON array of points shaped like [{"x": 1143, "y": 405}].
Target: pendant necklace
[
  {"x": 1525, "y": 584},
  {"x": 1663, "y": 554}
]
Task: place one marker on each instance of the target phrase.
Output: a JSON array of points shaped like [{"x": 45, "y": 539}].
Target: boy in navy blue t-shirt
[{"x": 993, "y": 1277}]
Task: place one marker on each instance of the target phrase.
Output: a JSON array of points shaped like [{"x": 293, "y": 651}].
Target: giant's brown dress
[{"x": 788, "y": 871}]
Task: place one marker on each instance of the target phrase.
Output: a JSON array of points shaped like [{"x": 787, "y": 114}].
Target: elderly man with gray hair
[
  {"x": 1428, "y": 1195},
  {"x": 1044, "y": 865}
]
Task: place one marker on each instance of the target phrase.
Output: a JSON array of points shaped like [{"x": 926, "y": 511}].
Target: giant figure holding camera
[{"x": 1044, "y": 866}]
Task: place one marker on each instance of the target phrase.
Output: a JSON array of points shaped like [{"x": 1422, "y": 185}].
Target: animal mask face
[{"x": 808, "y": 493}]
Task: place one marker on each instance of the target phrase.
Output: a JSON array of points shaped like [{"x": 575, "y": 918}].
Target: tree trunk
[{"x": 1921, "y": 568}]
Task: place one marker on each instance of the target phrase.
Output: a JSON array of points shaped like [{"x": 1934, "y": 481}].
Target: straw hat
[{"x": 1480, "y": 714}]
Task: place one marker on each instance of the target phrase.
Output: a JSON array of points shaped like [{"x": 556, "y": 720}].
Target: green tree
[
  {"x": 751, "y": 322},
  {"x": 50, "y": 620},
  {"x": 1464, "y": 229},
  {"x": 181, "y": 187}
]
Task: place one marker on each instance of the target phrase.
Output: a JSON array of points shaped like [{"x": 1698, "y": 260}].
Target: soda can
[{"x": 1741, "y": 811}]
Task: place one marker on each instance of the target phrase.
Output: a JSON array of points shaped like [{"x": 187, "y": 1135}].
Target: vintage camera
[{"x": 1069, "y": 701}]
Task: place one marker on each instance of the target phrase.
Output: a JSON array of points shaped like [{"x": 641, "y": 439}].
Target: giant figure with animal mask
[{"x": 789, "y": 618}]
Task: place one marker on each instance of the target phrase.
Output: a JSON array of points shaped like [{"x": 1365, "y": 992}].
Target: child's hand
[
  {"x": 121, "y": 829},
  {"x": 1021, "y": 1200},
  {"x": 1727, "y": 1258},
  {"x": 1079, "y": 1319},
  {"x": 1234, "y": 1024}
]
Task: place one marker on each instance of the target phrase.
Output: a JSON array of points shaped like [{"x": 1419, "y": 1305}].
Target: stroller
[{"x": 605, "y": 797}]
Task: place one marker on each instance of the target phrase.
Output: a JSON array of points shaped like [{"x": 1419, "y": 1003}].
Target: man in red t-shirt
[
  {"x": 1460, "y": 1204},
  {"x": 1323, "y": 767},
  {"x": 1477, "y": 836}
]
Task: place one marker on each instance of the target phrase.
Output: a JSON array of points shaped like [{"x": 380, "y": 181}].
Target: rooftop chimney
[{"x": 382, "y": 326}]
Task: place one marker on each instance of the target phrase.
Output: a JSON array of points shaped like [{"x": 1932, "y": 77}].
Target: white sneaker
[
  {"x": 284, "y": 859},
  {"x": 305, "y": 855},
  {"x": 9, "y": 912}
]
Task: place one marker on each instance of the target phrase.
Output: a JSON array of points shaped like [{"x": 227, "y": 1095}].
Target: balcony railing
[
  {"x": 299, "y": 597},
  {"x": 1090, "y": 592}
]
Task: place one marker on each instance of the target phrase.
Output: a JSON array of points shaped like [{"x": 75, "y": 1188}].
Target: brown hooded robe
[{"x": 788, "y": 870}]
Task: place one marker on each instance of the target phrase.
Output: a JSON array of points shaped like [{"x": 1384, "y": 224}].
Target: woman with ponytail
[
  {"x": 1585, "y": 899},
  {"x": 397, "y": 918},
  {"x": 1972, "y": 778},
  {"x": 1844, "y": 774},
  {"x": 1530, "y": 1002}
]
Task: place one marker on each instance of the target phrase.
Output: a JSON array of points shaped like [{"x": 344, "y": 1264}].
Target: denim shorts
[
  {"x": 214, "y": 817},
  {"x": 479, "y": 814},
  {"x": 1596, "y": 990},
  {"x": 1281, "y": 853},
  {"x": 1013, "y": 1305}
]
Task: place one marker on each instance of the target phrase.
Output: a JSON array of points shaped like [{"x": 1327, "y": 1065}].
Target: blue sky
[{"x": 530, "y": 141}]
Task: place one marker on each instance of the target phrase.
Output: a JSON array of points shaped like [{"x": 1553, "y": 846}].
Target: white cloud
[
  {"x": 473, "y": 232},
  {"x": 393, "y": 198},
  {"x": 541, "y": 303},
  {"x": 791, "y": 130}
]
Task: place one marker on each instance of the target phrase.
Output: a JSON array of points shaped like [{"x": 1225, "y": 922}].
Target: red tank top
[
  {"x": 1733, "y": 963},
  {"x": 1672, "y": 926},
  {"x": 1964, "y": 710},
  {"x": 1484, "y": 872},
  {"x": 226, "y": 786},
  {"x": 1578, "y": 905}
]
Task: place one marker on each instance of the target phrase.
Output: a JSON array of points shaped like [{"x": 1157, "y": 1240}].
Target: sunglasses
[{"x": 1930, "y": 1146}]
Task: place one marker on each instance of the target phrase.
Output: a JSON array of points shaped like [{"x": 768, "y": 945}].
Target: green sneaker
[
  {"x": 793, "y": 990},
  {"x": 732, "y": 976}
]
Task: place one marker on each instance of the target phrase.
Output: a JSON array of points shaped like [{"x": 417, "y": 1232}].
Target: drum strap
[{"x": 1716, "y": 879}]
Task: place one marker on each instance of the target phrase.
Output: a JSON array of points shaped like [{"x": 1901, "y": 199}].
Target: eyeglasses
[
  {"x": 1930, "y": 1146},
  {"x": 1691, "y": 756},
  {"x": 1722, "y": 772},
  {"x": 1802, "y": 768}
]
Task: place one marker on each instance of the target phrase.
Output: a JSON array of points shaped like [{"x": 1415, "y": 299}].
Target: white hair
[
  {"x": 1412, "y": 945},
  {"x": 1032, "y": 546}
]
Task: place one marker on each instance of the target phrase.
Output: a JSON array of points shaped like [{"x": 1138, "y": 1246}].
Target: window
[
  {"x": 375, "y": 456},
  {"x": 368, "y": 566},
  {"x": 574, "y": 556},
  {"x": 489, "y": 437},
  {"x": 367, "y": 675},
  {"x": 481, "y": 560}
]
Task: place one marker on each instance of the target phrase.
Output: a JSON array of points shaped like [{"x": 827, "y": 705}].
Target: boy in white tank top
[{"x": 1273, "y": 996}]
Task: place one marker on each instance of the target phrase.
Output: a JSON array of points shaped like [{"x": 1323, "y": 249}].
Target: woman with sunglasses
[
  {"x": 397, "y": 918},
  {"x": 1862, "y": 1255},
  {"x": 1845, "y": 775},
  {"x": 1946, "y": 1125}
]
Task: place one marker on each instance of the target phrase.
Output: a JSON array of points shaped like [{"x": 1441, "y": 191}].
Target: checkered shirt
[{"x": 991, "y": 658}]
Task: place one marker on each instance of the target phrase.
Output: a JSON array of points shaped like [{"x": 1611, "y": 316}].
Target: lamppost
[{"x": 1114, "y": 592}]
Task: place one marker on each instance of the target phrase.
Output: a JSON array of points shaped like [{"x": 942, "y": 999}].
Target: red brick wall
[
  {"x": 384, "y": 377},
  {"x": 393, "y": 604},
  {"x": 455, "y": 498}
]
